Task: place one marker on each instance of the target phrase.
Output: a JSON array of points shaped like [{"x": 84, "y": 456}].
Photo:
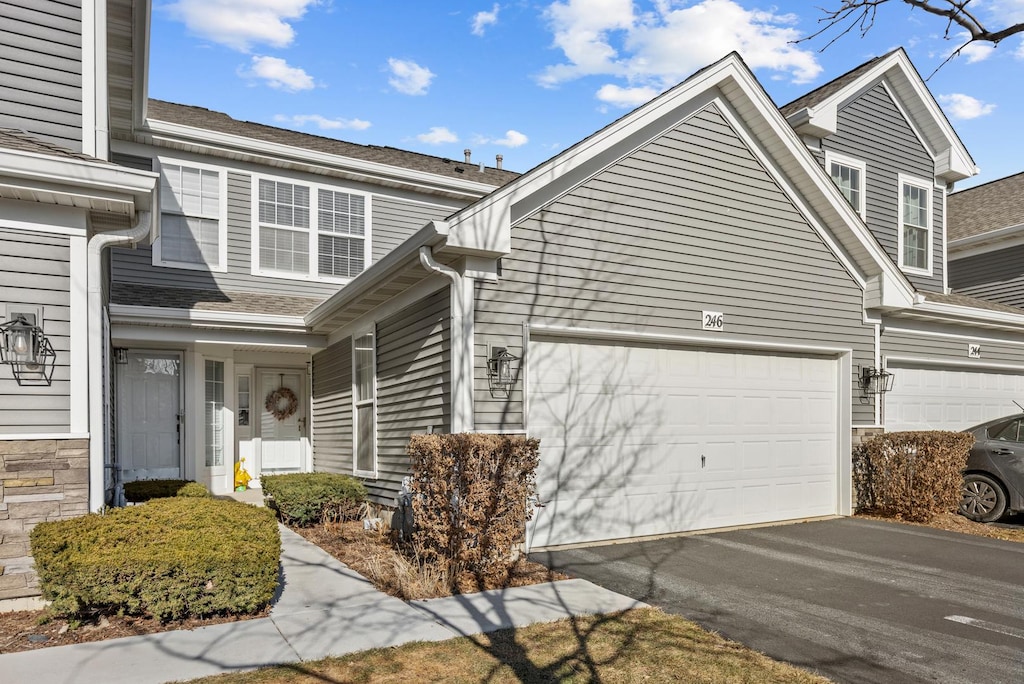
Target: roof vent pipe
[
  {"x": 469, "y": 153},
  {"x": 481, "y": 167},
  {"x": 499, "y": 159}
]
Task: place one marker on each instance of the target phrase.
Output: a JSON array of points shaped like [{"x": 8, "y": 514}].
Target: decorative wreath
[{"x": 282, "y": 403}]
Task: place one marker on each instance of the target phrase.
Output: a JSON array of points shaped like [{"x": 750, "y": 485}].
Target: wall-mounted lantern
[
  {"x": 875, "y": 380},
  {"x": 24, "y": 347},
  {"x": 502, "y": 370}
]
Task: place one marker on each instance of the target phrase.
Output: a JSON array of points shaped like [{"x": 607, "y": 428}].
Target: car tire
[{"x": 983, "y": 499}]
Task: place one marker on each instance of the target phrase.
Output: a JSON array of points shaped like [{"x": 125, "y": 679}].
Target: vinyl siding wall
[
  {"x": 41, "y": 69},
  {"x": 873, "y": 130},
  {"x": 949, "y": 344},
  {"x": 35, "y": 271},
  {"x": 690, "y": 222},
  {"x": 413, "y": 392},
  {"x": 393, "y": 220},
  {"x": 996, "y": 276}
]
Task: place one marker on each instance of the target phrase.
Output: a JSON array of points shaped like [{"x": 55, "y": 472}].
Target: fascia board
[
  {"x": 214, "y": 142},
  {"x": 989, "y": 241},
  {"x": 431, "y": 234},
  {"x": 126, "y": 313},
  {"x": 78, "y": 178},
  {"x": 896, "y": 285},
  {"x": 968, "y": 314}
]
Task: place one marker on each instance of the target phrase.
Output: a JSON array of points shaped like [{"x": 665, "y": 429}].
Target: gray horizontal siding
[
  {"x": 872, "y": 129},
  {"x": 997, "y": 276},
  {"x": 41, "y": 69},
  {"x": 35, "y": 271},
  {"x": 394, "y": 220},
  {"x": 413, "y": 385},
  {"x": 119, "y": 68},
  {"x": 690, "y": 222},
  {"x": 332, "y": 408},
  {"x": 913, "y": 341}
]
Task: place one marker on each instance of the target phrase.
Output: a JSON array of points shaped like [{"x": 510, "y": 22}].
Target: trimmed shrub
[
  {"x": 173, "y": 558},
  {"x": 305, "y": 499},
  {"x": 471, "y": 502},
  {"x": 195, "y": 490},
  {"x": 911, "y": 475},
  {"x": 144, "y": 490}
]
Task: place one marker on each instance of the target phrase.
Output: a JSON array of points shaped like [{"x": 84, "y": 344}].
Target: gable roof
[
  {"x": 996, "y": 205},
  {"x": 218, "y": 122},
  {"x": 816, "y": 114}
]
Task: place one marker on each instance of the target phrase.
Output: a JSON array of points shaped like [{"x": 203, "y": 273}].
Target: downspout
[
  {"x": 462, "y": 341},
  {"x": 97, "y": 437}
]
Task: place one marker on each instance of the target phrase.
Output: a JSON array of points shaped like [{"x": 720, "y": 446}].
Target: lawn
[{"x": 635, "y": 646}]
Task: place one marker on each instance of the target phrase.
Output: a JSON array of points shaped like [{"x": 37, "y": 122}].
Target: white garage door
[
  {"x": 642, "y": 440},
  {"x": 947, "y": 399}
]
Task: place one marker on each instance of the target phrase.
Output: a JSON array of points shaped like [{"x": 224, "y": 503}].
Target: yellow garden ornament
[{"x": 242, "y": 476}]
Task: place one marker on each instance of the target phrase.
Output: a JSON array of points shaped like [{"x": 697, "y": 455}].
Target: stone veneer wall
[{"x": 46, "y": 479}]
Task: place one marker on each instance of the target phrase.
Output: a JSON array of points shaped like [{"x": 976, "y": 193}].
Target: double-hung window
[
  {"x": 364, "y": 405},
  {"x": 849, "y": 176},
  {"x": 915, "y": 237},
  {"x": 193, "y": 230},
  {"x": 309, "y": 232}
]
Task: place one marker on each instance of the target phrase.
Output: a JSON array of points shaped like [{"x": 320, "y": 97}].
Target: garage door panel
[
  {"x": 949, "y": 398},
  {"x": 698, "y": 432}
]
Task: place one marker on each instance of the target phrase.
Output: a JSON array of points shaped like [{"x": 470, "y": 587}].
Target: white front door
[
  {"x": 638, "y": 440},
  {"x": 149, "y": 416},
  {"x": 282, "y": 439},
  {"x": 948, "y": 398}
]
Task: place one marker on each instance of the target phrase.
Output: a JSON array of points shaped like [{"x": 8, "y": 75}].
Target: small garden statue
[{"x": 242, "y": 476}]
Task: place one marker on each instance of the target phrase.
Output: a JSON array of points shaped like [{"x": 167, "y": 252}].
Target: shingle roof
[
  {"x": 13, "y": 139},
  {"x": 211, "y": 300},
  {"x": 831, "y": 88},
  {"x": 984, "y": 208},
  {"x": 206, "y": 119},
  {"x": 957, "y": 299}
]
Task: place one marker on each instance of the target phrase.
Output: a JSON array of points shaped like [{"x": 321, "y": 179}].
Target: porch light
[
  {"x": 24, "y": 347},
  {"x": 502, "y": 370},
  {"x": 875, "y": 380}
]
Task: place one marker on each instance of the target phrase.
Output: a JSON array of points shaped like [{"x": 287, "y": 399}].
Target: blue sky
[{"x": 528, "y": 79}]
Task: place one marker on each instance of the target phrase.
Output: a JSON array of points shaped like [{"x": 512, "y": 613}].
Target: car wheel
[{"x": 982, "y": 498}]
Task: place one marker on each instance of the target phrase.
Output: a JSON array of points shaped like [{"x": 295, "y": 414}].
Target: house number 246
[{"x": 713, "y": 320}]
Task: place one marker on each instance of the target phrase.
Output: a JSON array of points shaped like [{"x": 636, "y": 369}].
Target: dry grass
[
  {"x": 372, "y": 555},
  {"x": 636, "y": 646},
  {"x": 952, "y": 522}
]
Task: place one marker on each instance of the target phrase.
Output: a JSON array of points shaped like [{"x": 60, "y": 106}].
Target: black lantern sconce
[
  {"x": 502, "y": 370},
  {"x": 875, "y": 380},
  {"x": 24, "y": 347}
]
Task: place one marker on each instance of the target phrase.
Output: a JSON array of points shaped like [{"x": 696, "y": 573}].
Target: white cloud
[
  {"x": 323, "y": 123},
  {"x": 276, "y": 73},
  {"x": 962, "y": 106},
  {"x": 974, "y": 52},
  {"x": 408, "y": 77},
  {"x": 481, "y": 20},
  {"x": 241, "y": 24},
  {"x": 625, "y": 97},
  {"x": 1006, "y": 11},
  {"x": 656, "y": 49},
  {"x": 513, "y": 138},
  {"x": 438, "y": 135}
]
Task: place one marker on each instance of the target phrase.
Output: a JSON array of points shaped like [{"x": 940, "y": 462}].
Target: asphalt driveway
[{"x": 856, "y": 600}]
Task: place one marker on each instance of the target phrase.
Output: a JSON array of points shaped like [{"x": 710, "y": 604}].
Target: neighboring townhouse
[{"x": 986, "y": 249}]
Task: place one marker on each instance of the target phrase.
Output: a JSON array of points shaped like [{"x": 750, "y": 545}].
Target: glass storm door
[{"x": 149, "y": 415}]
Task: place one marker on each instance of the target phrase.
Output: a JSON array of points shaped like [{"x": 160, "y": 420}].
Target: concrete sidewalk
[{"x": 322, "y": 609}]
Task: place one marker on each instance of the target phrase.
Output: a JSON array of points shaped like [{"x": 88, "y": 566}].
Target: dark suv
[{"x": 994, "y": 478}]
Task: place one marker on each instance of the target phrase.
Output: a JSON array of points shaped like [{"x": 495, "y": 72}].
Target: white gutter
[
  {"x": 461, "y": 340},
  {"x": 97, "y": 437}
]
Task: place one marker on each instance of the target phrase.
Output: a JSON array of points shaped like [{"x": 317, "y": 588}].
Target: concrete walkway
[{"x": 322, "y": 608}]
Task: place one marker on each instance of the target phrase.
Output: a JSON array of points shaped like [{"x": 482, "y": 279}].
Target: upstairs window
[
  {"x": 309, "y": 232},
  {"x": 915, "y": 225},
  {"x": 849, "y": 176},
  {"x": 192, "y": 210}
]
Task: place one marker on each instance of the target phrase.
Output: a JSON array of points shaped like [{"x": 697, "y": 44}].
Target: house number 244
[{"x": 713, "y": 320}]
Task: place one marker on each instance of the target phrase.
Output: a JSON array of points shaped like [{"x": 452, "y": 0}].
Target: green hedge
[
  {"x": 172, "y": 559},
  {"x": 144, "y": 490},
  {"x": 304, "y": 499},
  {"x": 911, "y": 475}
]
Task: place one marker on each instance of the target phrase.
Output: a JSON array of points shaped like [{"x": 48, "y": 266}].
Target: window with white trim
[
  {"x": 363, "y": 405},
  {"x": 214, "y": 406},
  {"x": 193, "y": 230},
  {"x": 915, "y": 243},
  {"x": 309, "y": 232},
  {"x": 849, "y": 175}
]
